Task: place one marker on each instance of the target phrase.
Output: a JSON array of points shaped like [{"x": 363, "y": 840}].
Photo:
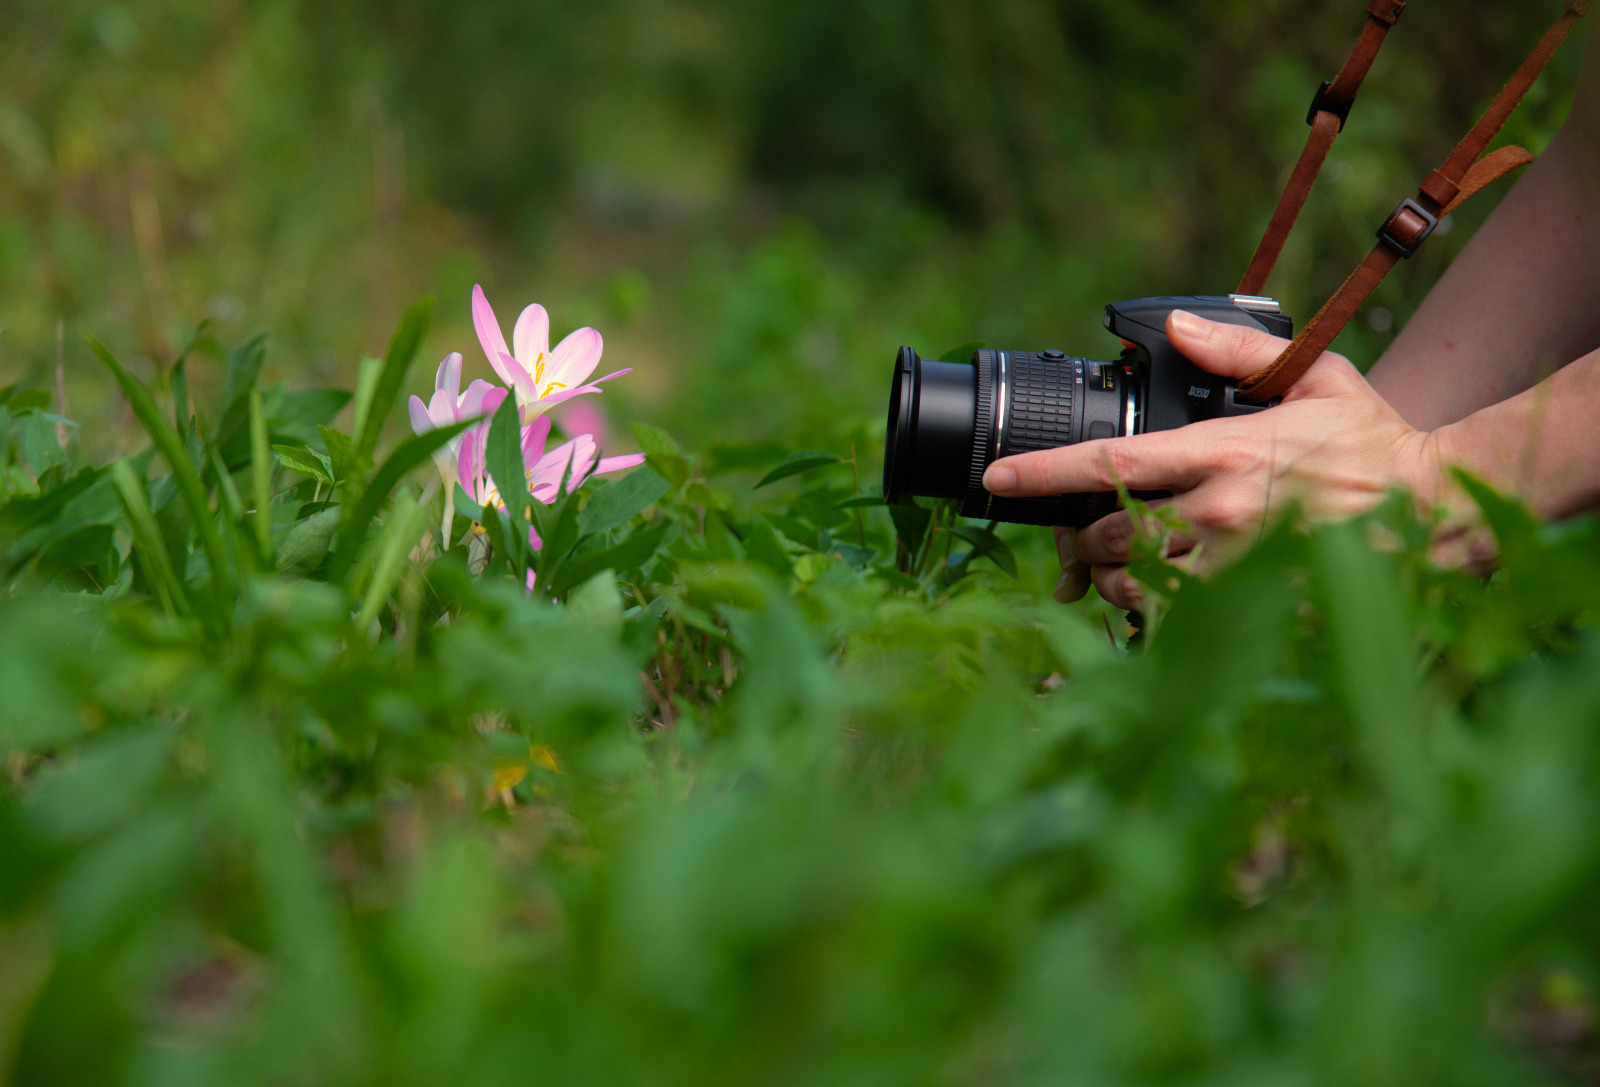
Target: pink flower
[
  {"x": 542, "y": 378},
  {"x": 585, "y": 417},
  {"x": 449, "y": 405},
  {"x": 542, "y": 470}
]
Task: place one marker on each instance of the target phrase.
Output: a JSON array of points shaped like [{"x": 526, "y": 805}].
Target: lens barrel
[{"x": 949, "y": 421}]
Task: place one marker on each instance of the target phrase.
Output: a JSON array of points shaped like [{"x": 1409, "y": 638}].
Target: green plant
[{"x": 764, "y": 782}]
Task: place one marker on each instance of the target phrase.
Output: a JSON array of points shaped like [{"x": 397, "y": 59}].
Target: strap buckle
[
  {"x": 1323, "y": 104},
  {"x": 1409, "y": 226}
]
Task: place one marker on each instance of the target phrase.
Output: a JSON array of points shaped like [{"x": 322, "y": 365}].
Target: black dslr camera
[{"x": 948, "y": 421}]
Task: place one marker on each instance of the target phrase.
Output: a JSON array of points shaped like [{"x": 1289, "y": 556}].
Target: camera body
[{"x": 948, "y": 421}]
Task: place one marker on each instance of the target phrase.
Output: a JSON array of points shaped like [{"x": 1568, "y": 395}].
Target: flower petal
[
  {"x": 468, "y": 466},
  {"x": 421, "y": 421},
  {"x": 585, "y": 417},
  {"x": 442, "y": 408},
  {"x": 551, "y": 467},
  {"x": 533, "y": 439},
  {"x": 545, "y": 403},
  {"x": 473, "y": 399},
  {"x": 614, "y": 373},
  {"x": 448, "y": 379},
  {"x": 520, "y": 380},
  {"x": 617, "y": 464},
  {"x": 492, "y": 399},
  {"x": 583, "y": 456},
  {"x": 574, "y": 359},
  {"x": 489, "y": 334},
  {"x": 531, "y": 337}
]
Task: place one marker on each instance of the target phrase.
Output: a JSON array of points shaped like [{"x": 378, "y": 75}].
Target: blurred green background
[{"x": 756, "y": 201}]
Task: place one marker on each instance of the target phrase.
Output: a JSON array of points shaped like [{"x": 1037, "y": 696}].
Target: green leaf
[
  {"x": 341, "y": 452},
  {"x": 183, "y": 474},
  {"x": 299, "y": 414},
  {"x": 244, "y": 370},
  {"x": 963, "y": 353},
  {"x": 1514, "y": 527},
  {"x": 503, "y": 458},
  {"x": 103, "y": 787},
  {"x": 407, "y": 457},
  {"x": 368, "y": 370},
  {"x": 308, "y": 542},
  {"x": 308, "y": 462},
  {"x": 598, "y": 603},
  {"x": 799, "y": 463},
  {"x": 624, "y": 558},
  {"x": 149, "y": 547},
  {"x": 911, "y": 523},
  {"x": 406, "y": 522},
  {"x": 662, "y": 454},
  {"x": 261, "y": 478},
  {"x": 466, "y": 507},
  {"x": 655, "y": 440},
  {"x": 860, "y": 501},
  {"x": 39, "y": 444},
  {"x": 763, "y": 544},
  {"x": 396, "y": 364},
  {"x": 617, "y": 502},
  {"x": 990, "y": 546}
]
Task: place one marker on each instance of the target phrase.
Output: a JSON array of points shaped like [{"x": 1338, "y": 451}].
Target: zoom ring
[
  {"x": 1040, "y": 402},
  {"x": 1042, "y": 410}
]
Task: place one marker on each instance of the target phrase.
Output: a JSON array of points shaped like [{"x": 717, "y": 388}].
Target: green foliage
[
  {"x": 759, "y": 786},
  {"x": 764, "y": 781}
]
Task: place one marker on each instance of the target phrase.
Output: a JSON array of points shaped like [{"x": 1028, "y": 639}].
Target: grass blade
[
  {"x": 503, "y": 456},
  {"x": 406, "y": 523},
  {"x": 183, "y": 473},
  {"x": 147, "y": 542},
  {"x": 410, "y": 455},
  {"x": 396, "y": 363},
  {"x": 261, "y": 471}
]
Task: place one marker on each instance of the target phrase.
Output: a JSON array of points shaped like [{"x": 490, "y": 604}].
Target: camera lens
[{"x": 949, "y": 421}]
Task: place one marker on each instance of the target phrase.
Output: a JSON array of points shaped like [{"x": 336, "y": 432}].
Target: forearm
[
  {"x": 1541, "y": 445},
  {"x": 1522, "y": 300}
]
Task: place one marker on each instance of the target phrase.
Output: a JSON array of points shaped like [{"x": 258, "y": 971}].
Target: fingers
[
  {"x": 1118, "y": 587},
  {"x": 1110, "y": 539},
  {"x": 1073, "y": 586},
  {"x": 1167, "y": 460},
  {"x": 1228, "y": 350},
  {"x": 1074, "y": 583}
]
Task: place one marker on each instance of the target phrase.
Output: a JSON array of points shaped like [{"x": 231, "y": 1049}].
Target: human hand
[{"x": 1333, "y": 445}]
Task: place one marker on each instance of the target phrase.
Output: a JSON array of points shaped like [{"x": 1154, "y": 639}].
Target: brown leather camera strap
[
  {"x": 1329, "y": 112},
  {"x": 1462, "y": 176}
]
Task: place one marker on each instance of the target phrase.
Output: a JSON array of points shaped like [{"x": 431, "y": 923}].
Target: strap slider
[
  {"x": 1387, "y": 11},
  {"x": 1323, "y": 104},
  {"x": 1409, "y": 226}
]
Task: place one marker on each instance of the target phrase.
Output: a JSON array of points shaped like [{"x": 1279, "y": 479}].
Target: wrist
[{"x": 1424, "y": 468}]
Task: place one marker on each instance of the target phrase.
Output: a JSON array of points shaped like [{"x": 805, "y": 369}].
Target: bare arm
[{"x": 1523, "y": 299}]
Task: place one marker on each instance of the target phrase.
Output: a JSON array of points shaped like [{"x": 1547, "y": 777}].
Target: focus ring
[{"x": 983, "y": 427}]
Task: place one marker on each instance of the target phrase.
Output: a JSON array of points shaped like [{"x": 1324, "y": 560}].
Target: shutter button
[{"x": 1054, "y": 356}]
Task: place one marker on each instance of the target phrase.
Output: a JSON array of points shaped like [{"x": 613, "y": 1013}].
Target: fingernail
[
  {"x": 1187, "y": 323},
  {"x": 1073, "y": 586},
  {"x": 1066, "y": 550},
  {"x": 999, "y": 479}
]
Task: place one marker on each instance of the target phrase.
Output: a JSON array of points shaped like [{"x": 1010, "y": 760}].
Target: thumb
[{"x": 1226, "y": 350}]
